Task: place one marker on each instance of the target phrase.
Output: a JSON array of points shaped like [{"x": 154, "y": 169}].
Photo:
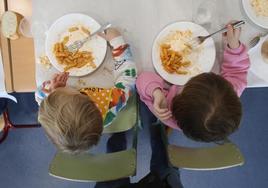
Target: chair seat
[
  {"x": 211, "y": 158},
  {"x": 88, "y": 167}
]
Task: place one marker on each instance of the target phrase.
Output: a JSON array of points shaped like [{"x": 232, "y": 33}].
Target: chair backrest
[
  {"x": 101, "y": 167},
  {"x": 125, "y": 119},
  {"x": 216, "y": 157},
  {"x": 212, "y": 158},
  {"x": 89, "y": 167}
]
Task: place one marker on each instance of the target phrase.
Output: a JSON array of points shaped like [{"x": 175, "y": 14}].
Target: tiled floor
[{"x": 25, "y": 155}]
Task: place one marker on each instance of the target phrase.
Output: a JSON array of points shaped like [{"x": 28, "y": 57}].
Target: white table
[{"x": 140, "y": 21}]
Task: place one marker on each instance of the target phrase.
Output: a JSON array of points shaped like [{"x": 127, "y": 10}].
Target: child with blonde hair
[
  {"x": 74, "y": 120},
  {"x": 207, "y": 108}
]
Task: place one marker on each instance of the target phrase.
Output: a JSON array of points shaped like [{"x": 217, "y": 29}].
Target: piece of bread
[
  {"x": 10, "y": 24},
  {"x": 264, "y": 51}
]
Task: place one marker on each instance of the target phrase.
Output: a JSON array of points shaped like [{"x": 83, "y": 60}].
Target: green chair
[
  {"x": 89, "y": 167},
  {"x": 220, "y": 156}
]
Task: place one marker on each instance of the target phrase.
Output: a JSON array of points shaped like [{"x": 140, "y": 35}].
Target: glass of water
[
  {"x": 25, "y": 27},
  {"x": 204, "y": 12},
  {"x": 32, "y": 29}
]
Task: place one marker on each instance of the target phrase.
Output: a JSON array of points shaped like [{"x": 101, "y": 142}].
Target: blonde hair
[{"x": 71, "y": 121}]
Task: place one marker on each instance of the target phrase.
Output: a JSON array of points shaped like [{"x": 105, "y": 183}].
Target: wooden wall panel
[
  {"x": 22, "y": 53},
  {"x": 4, "y": 43},
  {"x": 18, "y": 55}
]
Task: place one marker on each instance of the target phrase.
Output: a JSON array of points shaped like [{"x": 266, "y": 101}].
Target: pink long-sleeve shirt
[{"x": 234, "y": 69}]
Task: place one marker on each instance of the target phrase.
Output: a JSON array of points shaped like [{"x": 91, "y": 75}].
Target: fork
[
  {"x": 79, "y": 43},
  {"x": 195, "y": 42},
  {"x": 253, "y": 42}
]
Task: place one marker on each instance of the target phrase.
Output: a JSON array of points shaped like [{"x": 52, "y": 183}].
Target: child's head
[
  {"x": 208, "y": 109},
  {"x": 71, "y": 120}
]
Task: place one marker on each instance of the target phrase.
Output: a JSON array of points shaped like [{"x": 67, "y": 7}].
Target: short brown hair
[
  {"x": 71, "y": 121},
  {"x": 208, "y": 109}
]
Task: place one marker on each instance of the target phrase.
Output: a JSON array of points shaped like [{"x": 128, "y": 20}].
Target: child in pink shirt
[{"x": 208, "y": 107}]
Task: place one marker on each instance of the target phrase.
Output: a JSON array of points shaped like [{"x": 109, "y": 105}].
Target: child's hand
[
  {"x": 110, "y": 34},
  {"x": 59, "y": 80},
  {"x": 233, "y": 36},
  {"x": 160, "y": 105}
]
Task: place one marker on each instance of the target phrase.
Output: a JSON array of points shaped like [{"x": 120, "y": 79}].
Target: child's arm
[
  {"x": 235, "y": 67},
  {"x": 124, "y": 71},
  {"x": 236, "y": 62},
  {"x": 58, "y": 80},
  {"x": 150, "y": 88},
  {"x": 146, "y": 83}
]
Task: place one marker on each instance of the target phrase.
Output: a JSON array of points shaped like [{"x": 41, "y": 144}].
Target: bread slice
[
  {"x": 264, "y": 51},
  {"x": 10, "y": 24}
]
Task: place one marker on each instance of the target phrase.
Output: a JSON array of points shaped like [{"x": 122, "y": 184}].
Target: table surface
[{"x": 139, "y": 21}]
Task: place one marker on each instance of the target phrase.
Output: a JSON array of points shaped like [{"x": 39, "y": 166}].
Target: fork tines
[{"x": 194, "y": 42}]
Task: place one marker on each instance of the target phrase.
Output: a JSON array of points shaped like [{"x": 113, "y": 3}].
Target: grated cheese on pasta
[
  {"x": 260, "y": 7},
  {"x": 178, "y": 40}
]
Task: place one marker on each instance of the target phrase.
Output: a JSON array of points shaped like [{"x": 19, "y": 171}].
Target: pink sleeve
[
  {"x": 146, "y": 83},
  {"x": 235, "y": 67}
]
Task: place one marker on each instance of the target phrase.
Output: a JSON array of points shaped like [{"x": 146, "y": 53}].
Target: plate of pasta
[
  {"x": 257, "y": 11},
  {"x": 175, "y": 60},
  {"x": 68, "y": 29},
  {"x": 259, "y": 59}
]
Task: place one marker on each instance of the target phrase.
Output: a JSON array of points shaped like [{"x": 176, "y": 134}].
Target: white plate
[
  {"x": 258, "y": 20},
  {"x": 206, "y": 57},
  {"x": 258, "y": 66},
  {"x": 97, "y": 45}
]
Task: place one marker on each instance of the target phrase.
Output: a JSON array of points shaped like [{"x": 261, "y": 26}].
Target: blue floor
[{"x": 26, "y": 153}]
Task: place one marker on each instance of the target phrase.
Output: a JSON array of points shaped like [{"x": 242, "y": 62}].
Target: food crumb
[
  {"x": 45, "y": 61},
  {"x": 81, "y": 82}
]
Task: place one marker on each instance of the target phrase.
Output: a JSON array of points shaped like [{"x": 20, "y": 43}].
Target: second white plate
[
  {"x": 258, "y": 20},
  {"x": 206, "y": 58},
  {"x": 258, "y": 66}
]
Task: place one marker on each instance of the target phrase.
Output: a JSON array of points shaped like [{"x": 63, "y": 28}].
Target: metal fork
[
  {"x": 195, "y": 42},
  {"x": 79, "y": 43},
  {"x": 253, "y": 42}
]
